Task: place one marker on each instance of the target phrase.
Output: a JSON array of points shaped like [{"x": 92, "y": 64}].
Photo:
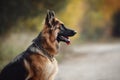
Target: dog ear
[{"x": 50, "y": 18}]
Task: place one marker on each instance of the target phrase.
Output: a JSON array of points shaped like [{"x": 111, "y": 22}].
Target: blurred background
[{"x": 94, "y": 52}]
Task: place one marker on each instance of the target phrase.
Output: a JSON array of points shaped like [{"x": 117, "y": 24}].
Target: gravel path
[{"x": 100, "y": 62}]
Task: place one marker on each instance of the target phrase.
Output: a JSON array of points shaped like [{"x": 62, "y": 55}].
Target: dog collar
[{"x": 45, "y": 52}]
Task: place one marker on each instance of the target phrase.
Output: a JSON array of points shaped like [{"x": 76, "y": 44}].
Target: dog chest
[{"x": 51, "y": 68}]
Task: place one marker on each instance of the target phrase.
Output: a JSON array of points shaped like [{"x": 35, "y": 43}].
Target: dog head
[{"x": 56, "y": 29}]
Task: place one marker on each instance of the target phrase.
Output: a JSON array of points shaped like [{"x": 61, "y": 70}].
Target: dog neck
[
  {"x": 46, "y": 47},
  {"x": 44, "y": 52}
]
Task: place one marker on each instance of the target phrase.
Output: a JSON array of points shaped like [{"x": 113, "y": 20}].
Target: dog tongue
[{"x": 68, "y": 43}]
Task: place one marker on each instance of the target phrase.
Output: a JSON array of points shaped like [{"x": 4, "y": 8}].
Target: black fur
[{"x": 15, "y": 70}]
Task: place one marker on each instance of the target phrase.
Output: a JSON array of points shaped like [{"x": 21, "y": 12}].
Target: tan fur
[
  {"x": 30, "y": 73},
  {"x": 41, "y": 68},
  {"x": 50, "y": 42}
]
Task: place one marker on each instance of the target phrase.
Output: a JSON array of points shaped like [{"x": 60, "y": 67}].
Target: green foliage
[
  {"x": 95, "y": 4},
  {"x": 93, "y": 22},
  {"x": 13, "y": 10}
]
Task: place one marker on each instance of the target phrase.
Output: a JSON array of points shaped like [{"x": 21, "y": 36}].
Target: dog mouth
[
  {"x": 64, "y": 39},
  {"x": 64, "y": 36}
]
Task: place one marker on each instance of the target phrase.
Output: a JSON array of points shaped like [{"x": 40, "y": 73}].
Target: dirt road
[{"x": 98, "y": 62}]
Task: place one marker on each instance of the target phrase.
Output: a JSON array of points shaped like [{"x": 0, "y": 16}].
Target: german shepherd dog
[{"x": 37, "y": 62}]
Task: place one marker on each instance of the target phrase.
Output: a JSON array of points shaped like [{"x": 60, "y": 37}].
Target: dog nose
[{"x": 74, "y": 32}]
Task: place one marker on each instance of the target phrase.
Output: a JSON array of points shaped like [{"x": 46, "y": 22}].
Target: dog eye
[{"x": 61, "y": 27}]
